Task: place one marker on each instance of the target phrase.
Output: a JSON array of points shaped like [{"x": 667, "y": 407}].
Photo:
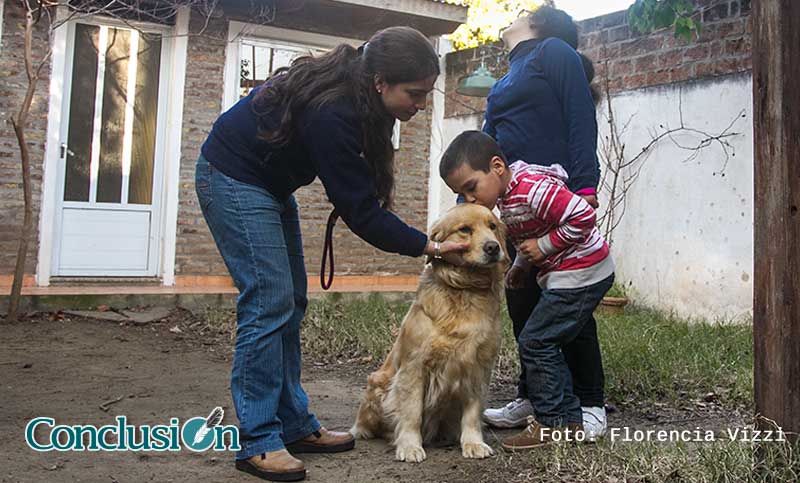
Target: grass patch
[
  {"x": 655, "y": 357},
  {"x": 648, "y": 356},
  {"x": 721, "y": 461},
  {"x": 216, "y": 322},
  {"x": 617, "y": 290},
  {"x": 336, "y": 328}
]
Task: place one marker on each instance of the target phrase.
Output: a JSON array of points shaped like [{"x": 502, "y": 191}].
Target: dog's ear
[
  {"x": 437, "y": 231},
  {"x": 502, "y": 235},
  {"x": 502, "y": 232}
]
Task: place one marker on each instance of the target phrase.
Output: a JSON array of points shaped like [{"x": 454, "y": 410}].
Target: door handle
[{"x": 65, "y": 151}]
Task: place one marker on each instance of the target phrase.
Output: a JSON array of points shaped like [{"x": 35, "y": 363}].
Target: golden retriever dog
[{"x": 433, "y": 383}]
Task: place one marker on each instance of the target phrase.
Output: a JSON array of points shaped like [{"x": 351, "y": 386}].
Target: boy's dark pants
[
  {"x": 557, "y": 320},
  {"x": 582, "y": 353}
]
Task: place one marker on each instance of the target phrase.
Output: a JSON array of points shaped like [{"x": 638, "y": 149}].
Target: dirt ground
[{"x": 66, "y": 368}]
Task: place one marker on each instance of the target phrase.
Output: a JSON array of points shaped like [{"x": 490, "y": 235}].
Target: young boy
[{"x": 553, "y": 229}]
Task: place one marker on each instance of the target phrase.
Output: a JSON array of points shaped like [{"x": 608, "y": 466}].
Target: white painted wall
[
  {"x": 451, "y": 127},
  {"x": 685, "y": 243},
  {"x": 437, "y": 146}
]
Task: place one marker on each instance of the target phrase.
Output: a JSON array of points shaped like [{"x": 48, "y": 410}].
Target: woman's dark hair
[
  {"x": 552, "y": 22},
  {"x": 396, "y": 54}
]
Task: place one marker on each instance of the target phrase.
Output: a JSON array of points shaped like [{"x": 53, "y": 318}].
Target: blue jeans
[
  {"x": 582, "y": 354},
  {"x": 259, "y": 238},
  {"x": 557, "y": 320}
]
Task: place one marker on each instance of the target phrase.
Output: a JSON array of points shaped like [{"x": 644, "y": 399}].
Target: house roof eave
[{"x": 433, "y": 9}]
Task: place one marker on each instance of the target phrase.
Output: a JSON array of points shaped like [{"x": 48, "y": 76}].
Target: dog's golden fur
[{"x": 433, "y": 383}]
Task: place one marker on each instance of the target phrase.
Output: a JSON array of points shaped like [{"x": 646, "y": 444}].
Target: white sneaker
[
  {"x": 595, "y": 422},
  {"x": 512, "y": 415}
]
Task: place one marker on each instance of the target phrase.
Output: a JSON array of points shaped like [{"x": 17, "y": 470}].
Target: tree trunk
[
  {"x": 776, "y": 123},
  {"x": 27, "y": 225},
  {"x": 20, "y": 123}
]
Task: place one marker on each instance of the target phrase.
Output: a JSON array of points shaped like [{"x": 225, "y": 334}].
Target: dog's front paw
[
  {"x": 410, "y": 453},
  {"x": 476, "y": 450}
]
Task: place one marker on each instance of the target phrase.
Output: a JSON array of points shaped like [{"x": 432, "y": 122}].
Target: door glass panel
[
  {"x": 145, "y": 109},
  {"x": 81, "y": 113},
  {"x": 115, "y": 85}
]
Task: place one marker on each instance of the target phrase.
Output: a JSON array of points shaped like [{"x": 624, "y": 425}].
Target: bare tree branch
[{"x": 620, "y": 171}]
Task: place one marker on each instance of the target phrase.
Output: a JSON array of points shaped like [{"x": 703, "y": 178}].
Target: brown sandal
[
  {"x": 286, "y": 467},
  {"x": 323, "y": 441}
]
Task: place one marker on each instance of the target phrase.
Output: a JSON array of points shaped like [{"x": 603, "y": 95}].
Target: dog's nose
[{"x": 491, "y": 248}]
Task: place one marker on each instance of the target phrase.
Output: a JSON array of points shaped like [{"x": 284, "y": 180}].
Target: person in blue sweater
[
  {"x": 543, "y": 112},
  {"x": 328, "y": 117}
]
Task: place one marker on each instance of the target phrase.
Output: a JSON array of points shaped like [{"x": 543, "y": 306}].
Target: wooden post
[{"x": 776, "y": 124}]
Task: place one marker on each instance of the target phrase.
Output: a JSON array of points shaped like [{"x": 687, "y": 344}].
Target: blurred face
[
  {"x": 476, "y": 186},
  {"x": 405, "y": 99},
  {"x": 519, "y": 28}
]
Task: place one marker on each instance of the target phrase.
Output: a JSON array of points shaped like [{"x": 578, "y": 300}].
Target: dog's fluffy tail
[{"x": 370, "y": 419}]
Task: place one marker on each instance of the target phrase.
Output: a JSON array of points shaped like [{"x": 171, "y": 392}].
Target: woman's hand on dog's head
[{"x": 451, "y": 252}]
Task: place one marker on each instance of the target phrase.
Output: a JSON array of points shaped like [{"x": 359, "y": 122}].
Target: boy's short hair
[{"x": 475, "y": 148}]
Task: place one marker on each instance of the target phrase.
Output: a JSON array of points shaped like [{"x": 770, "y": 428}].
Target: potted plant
[{"x": 615, "y": 300}]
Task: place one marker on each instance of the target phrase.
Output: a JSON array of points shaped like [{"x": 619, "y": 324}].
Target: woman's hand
[
  {"x": 531, "y": 251},
  {"x": 515, "y": 277},
  {"x": 451, "y": 252}
]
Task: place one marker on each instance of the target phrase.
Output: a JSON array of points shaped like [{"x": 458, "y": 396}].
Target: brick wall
[
  {"x": 635, "y": 61},
  {"x": 12, "y": 90},
  {"x": 196, "y": 254},
  {"x": 195, "y": 251},
  {"x": 353, "y": 255},
  {"x": 632, "y": 60}
]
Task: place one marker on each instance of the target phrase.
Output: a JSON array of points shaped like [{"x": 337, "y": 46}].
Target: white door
[{"x": 111, "y": 159}]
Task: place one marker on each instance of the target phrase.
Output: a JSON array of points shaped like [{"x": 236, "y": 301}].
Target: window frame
[{"x": 239, "y": 31}]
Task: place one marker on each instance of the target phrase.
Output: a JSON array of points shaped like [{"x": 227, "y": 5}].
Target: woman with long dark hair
[
  {"x": 329, "y": 117},
  {"x": 543, "y": 112}
]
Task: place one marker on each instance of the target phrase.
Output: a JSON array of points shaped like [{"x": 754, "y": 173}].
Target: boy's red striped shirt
[{"x": 537, "y": 204}]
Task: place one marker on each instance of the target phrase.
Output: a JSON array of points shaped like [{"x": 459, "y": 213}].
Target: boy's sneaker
[
  {"x": 512, "y": 415},
  {"x": 535, "y": 435},
  {"x": 595, "y": 422}
]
